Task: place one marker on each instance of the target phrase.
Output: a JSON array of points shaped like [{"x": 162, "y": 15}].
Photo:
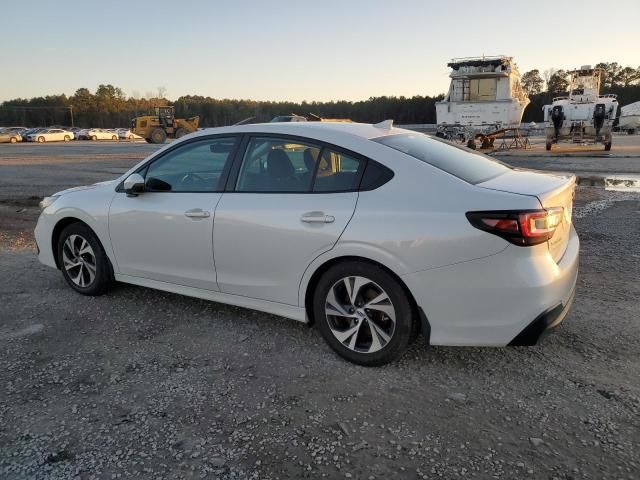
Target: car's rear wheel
[
  {"x": 13, "y": 139},
  {"x": 67, "y": 138},
  {"x": 40, "y": 139},
  {"x": 113, "y": 137},
  {"x": 93, "y": 138},
  {"x": 363, "y": 313},
  {"x": 82, "y": 260}
]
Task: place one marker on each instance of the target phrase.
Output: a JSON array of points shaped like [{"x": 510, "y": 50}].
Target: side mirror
[{"x": 134, "y": 185}]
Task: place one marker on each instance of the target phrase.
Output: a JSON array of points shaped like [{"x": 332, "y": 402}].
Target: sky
[{"x": 296, "y": 50}]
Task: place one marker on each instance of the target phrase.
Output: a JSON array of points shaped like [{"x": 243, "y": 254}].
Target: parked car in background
[
  {"x": 101, "y": 134},
  {"x": 75, "y": 131},
  {"x": 82, "y": 134},
  {"x": 19, "y": 130},
  {"x": 50, "y": 135},
  {"x": 10, "y": 137},
  {"x": 28, "y": 132},
  {"x": 371, "y": 232},
  {"x": 126, "y": 134}
]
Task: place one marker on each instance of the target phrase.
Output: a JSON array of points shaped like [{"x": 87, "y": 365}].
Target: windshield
[{"x": 470, "y": 166}]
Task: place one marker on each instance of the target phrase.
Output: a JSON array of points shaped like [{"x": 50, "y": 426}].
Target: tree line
[{"x": 109, "y": 107}]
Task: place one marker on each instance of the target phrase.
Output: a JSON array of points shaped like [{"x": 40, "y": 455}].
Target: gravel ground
[{"x": 145, "y": 384}]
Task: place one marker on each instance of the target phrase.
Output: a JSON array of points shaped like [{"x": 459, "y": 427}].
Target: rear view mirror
[{"x": 134, "y": 184}]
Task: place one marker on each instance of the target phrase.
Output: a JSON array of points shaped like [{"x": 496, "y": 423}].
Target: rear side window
[
  {"x": 277, "y": 165},
  {"x": 465, "y": 164},
  {"x": 337, "y": 172}
]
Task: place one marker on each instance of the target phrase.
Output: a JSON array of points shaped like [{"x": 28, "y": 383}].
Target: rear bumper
[
  {"x": 543, "y": 324},
  {"x": 492, "y": 301}
]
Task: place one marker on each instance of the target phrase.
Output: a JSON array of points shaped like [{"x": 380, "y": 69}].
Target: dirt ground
[{"x": 144, "y": 384}]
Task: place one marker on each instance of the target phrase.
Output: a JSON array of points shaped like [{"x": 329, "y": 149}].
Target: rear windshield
[{"x": 462, "y": 162}]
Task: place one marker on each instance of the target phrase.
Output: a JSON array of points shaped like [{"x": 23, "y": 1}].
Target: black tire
[
  {"x": 41, "y": 139},
  {"x": 93, "y": 138},
  {"x": 13, "y": 139},
  {"x": 406, "y": 325},
  {"x": 103, "y": 273},
  {"x": 114, "y": 137},
  {"x": 67, "y": 138},
  {"x": 158, "y": 135},
  {"x": 181, "y": 132}
]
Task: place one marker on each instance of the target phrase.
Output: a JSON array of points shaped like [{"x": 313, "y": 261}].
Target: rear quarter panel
[{"x": 417, "y": 220}]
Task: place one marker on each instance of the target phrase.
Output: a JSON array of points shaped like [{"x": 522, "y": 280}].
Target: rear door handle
[
  {"x": 317, "y": 217},
  {"x": 196, "y": 213}
]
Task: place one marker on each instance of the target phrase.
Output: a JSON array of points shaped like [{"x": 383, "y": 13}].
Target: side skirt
[{"x": 281, "y": 309}]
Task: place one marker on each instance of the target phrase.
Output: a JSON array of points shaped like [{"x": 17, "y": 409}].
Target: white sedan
[
  {"x": 100, "y": 134},
  {"x": 51, "y": 135},
  {"x": 370, "y": 232},
  {"x": 126, "y": 134}
]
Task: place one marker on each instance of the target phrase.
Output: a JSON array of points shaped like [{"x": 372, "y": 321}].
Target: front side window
[
  {"x": 194, "y": 167},
  {"x": 277, "y": 165}
]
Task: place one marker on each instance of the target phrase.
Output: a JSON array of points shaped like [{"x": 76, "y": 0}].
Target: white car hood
[{"x": 87, "y": 187}]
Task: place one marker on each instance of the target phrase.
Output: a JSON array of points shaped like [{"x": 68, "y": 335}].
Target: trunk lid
[{"x": 552, "y": 190}]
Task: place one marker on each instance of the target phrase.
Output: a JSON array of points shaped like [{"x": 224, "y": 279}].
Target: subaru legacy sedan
[{"x": 370, "y": 232}]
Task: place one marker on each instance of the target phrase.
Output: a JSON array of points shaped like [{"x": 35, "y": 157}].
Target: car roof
[{"x": 311, "y": 129}]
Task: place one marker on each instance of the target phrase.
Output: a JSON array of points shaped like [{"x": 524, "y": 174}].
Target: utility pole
[{"x": 71, "y": 111}]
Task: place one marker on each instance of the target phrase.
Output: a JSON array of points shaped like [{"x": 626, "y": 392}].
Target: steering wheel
[{"x": 191, "y": 179}]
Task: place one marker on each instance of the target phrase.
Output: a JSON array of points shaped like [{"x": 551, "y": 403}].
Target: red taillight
[{"x": 524, "y": 228}]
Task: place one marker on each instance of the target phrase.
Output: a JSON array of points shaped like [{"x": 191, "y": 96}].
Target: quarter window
[
  {"x": 194, "y": 167},
  {"x": 277, "y": 165}
]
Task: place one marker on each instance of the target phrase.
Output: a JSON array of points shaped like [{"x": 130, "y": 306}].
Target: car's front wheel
[
  {"x": 82, "y": 259},
  {"x": 363, "y": 313}
]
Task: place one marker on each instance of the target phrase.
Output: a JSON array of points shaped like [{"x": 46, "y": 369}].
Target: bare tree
[
  {"x": 546, "y": 75},
  {"x": 162, "y": 91}
]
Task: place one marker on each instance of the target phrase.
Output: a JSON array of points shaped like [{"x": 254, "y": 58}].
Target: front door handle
[
  {"x": 196, "y": 213},
  {"x": 317, "y": 217}
]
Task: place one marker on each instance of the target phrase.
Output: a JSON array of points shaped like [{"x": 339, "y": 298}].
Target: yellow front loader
[{"x": 162, "y": 124}]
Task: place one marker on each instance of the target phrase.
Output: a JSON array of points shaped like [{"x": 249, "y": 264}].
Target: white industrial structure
[
  {"x": 584, "y": 115},
  {"x": 485, "y": 95},
  {"x": 630, "y": 118}
]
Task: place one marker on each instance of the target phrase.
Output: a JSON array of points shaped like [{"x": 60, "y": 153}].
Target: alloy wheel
[
  {"x": 79, "y": 260},
  {"x": 360, "y": 314}
]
